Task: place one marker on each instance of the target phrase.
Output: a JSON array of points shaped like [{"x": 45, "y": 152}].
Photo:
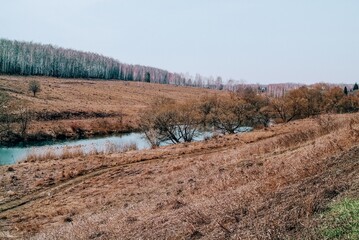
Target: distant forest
[
  {"x": 27, "y": 58},
  {"x": 33, "y": 59}
]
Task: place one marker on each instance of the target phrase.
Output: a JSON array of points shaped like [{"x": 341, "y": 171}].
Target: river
[
  {"x": 104, "y": 144},
  {"x": 14, "y": 154}
]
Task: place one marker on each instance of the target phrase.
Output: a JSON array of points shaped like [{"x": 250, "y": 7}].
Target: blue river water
[
  {"x": 14, "y": 154},
  {"x": 104, "y": 144}
]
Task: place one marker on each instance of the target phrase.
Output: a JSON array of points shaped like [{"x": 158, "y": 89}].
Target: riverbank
[
  {"x": 269, "y": 183},
  {"x": 70, "y": 129}
]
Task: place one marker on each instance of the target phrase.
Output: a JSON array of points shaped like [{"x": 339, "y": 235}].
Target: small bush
[{"x": 34, "y": 87}]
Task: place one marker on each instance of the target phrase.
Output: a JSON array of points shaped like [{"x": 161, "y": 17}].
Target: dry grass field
[
  {"x": 266, "y": 184},
  {"x": 85, "y": 100}
]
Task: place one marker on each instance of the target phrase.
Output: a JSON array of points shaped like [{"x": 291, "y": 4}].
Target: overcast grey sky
[{"x": 262, "y": 41}]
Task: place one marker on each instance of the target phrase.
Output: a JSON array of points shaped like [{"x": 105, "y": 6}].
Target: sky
[{"x": 253, "y": 41}]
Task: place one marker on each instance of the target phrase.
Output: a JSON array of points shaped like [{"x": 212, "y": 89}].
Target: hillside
[
  {"x": 267, "y": 184},
  {"x": 96, "y": 107}
]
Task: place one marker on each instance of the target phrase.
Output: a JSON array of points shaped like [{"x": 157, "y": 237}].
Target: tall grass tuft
[
  {"x": 77, "y": 151},
  {"x": 119, "y": 148}
]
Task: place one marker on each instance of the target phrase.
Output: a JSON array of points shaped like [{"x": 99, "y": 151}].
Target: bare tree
[
  {"x": 34, "y": 87},
  {"x": 4, "y": 118},
  {"x": 281, "y": 109},
  {"x": 14, "y": 119},
  {"x": 166, "y": 120},
  {"x": 24, "y": 118},
  {"x": 257, "y": 108},
  {"x": 231, "y": 113}
]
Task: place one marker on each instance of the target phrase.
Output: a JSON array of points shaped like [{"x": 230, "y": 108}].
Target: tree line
[
  {"x": 27, "y": 58},
  {"x": 33, "y": 59},
  {"x": 167, "y": 120}
]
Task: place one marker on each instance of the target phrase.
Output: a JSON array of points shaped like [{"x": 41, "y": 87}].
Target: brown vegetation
[
  {"x": 68, "y": 108},
  {"x": 311, "y": 101},
  {"x": 166, "y": 120},
  {"x": 266, "y": 184},
  {"x": 77, "y": 151}
]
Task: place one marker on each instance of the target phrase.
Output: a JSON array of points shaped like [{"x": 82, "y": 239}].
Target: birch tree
[{"x": 27, "y": 58}]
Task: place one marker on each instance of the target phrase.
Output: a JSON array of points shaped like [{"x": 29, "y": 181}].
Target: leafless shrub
[
  {"x": 4, "y": 98},
  {"x": 34, "y": 87},
  {"x": 24, "y": 118}
]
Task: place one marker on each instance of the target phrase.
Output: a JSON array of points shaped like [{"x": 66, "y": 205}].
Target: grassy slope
[
  {"x": 265, "y": 184},
  {"x": 60, "y": 95}
]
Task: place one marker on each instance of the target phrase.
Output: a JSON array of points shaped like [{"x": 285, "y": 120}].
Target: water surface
[
  {"x": 103, "y": 144},
  {"x": 14, "y": 154}
]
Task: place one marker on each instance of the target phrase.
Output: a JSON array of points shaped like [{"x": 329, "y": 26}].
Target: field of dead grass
[
  {"x": 121, "y": 101},
  {"x": 266, "y": 184}
]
